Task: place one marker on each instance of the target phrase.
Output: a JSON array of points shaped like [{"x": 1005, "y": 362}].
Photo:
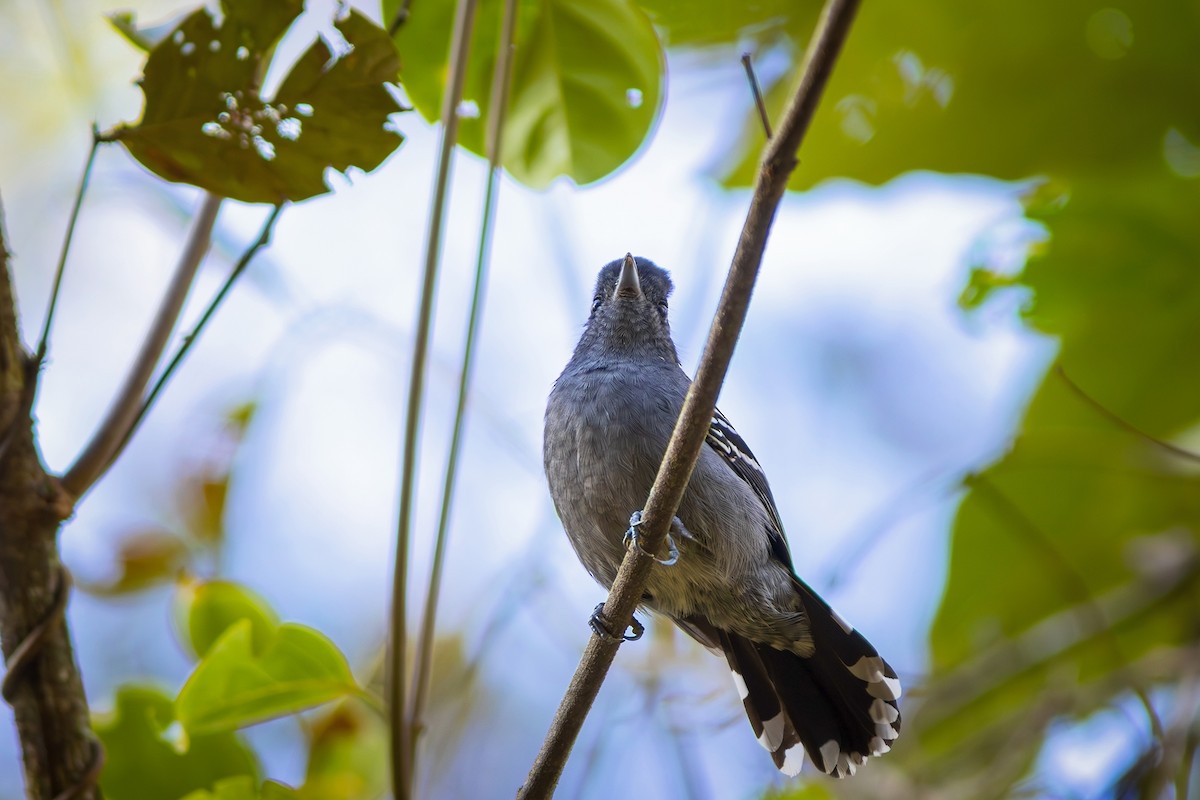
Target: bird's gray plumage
[{"x": 608, "y": 420}]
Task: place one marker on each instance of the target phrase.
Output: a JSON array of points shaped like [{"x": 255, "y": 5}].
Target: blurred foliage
[
  {"x": 206, "y": 123},
  {"x": 148, "y": 759},
  {"x": 348, "y": 756},
  {"x": 243, "y": 789}
]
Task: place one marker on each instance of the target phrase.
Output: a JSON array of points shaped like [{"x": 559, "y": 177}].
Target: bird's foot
[
  {"x": 596, "y": 623},
  {"x": 631, "y": 539}
]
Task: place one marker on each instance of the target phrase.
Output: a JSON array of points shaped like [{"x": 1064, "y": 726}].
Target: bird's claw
[
  {"x": 631, "y": 539},
  {"x": 596, "y": 623}
]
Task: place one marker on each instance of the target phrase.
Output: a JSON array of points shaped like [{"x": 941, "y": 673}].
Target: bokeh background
[{"x": 942, "y": 485}]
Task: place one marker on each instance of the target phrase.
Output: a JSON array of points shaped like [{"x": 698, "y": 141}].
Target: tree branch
[
  {"x": 58, "y": 751},
  {"x": 778, "y": 162},
  {"x": 100, "y": 451}
]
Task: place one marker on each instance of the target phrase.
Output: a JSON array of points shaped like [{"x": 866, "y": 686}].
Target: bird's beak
[{"x": 629, "y": 285}]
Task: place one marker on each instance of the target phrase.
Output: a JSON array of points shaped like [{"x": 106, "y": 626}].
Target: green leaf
[
  {"x": 1010, "y": 89},
  {"x": 586, "y": 83},
  {"x": 143, "y": 762},
  {"x": 709, "y": 23},
  {"x": 1101, "y": 524},
  {"x": 244, "y": 789},
  {"x": 348, "y": 757},
  {"x": 205, "y": 609},
  {"x": 205, "y": 122},
  {"x": 233, "y": 686}
]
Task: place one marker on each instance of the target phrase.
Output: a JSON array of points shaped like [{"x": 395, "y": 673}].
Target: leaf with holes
[
  {"x": 206, "y": 123},
  {"x": 586, "y": 83},
  {"x": 233, "y": 686}
]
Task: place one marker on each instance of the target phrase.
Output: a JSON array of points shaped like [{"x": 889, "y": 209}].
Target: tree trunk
[{"x": 42, "y": 683}]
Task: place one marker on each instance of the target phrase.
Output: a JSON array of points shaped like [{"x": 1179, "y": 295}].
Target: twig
[
  {"x": 778, "y": 161},
  {"x": 498, "y": 104},
  {"x": 402, "y": 778},
  {"x": 44, "y": 339},
  {"x": 264, "y": 238},
  {"x": 1120, "y": 421},
  {"x": 401, "y": 17},
  {"x": 757, "y": 92},
  {"x": 98, "y": 453}
]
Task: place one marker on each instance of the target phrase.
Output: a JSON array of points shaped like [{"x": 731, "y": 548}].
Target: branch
[
  {"x": 42, "y": 682},
  {"x": 44, "y": 340},
  {"x": 106, "y": 442},
  {"x": 498, "y": 103},
  {"x": 776, "y": 166},
  {"x": 401, "y": 748},
  {"x": 264, "y": 238},
  {"x": 1119, "y": 421}
]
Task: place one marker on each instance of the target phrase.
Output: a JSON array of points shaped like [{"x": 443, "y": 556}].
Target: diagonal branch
[
  {"x": 778, "y": 162},
  {"x": 99, "y": 452}
]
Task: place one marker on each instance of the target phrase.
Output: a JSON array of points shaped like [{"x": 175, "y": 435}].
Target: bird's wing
[{"x": 733, "y": 450}]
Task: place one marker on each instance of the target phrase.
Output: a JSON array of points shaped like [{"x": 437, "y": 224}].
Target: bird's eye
[
  {"x": 596, "y": 301},
  {"x": 662, "y": 308}
]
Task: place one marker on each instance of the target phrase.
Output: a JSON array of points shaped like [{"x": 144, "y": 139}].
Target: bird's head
[{"x": 629, "y": 314}]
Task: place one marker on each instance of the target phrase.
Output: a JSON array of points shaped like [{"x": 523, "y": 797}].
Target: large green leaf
[
  {"x": 145, "y": 762},
  {"x": 586, "y": 83},
  {"x": 1000, "y": 88},
  {"x": 233, "y": 686},
  {"x": 1084, "y": 525},
  {"x": 205, "y": 122}
]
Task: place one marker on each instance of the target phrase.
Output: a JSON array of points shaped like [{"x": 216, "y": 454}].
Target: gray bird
[{"x": 804, "y": 675}]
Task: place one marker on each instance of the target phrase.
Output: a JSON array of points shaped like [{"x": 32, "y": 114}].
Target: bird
[{"x": 809, "y": 682}]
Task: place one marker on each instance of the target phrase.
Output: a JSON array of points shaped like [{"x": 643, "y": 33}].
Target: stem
[
  {"x": 1119, "y": 421},
  {"x": 44, "y": 339},
  {"x": 401, "y": 749},
  {"x": 99, "y": 453},
  {"x": 778, "y": 162},
  {"x": 498, "y": 104},
  {"x": 264, "y": 238},
  {"x": 763, "y": 117}
]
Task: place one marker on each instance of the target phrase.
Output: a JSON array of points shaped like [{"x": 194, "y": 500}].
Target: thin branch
[
  {"x": 758, "y": 97},
  {"x": 498, "y": 104},
  {"x": 44, "y": 339},
  {"x": 778, "y": 162},
  {"x": 264, "y": 238},
  {"x": 401, "y": 17},
  {"x": 401, "y": 764},
  {"x": 1120, "y": 422},
  {"x": 98, "y": 454}
]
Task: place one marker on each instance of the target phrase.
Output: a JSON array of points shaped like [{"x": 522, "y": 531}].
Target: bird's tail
[{"x": 839, "y": 703}]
